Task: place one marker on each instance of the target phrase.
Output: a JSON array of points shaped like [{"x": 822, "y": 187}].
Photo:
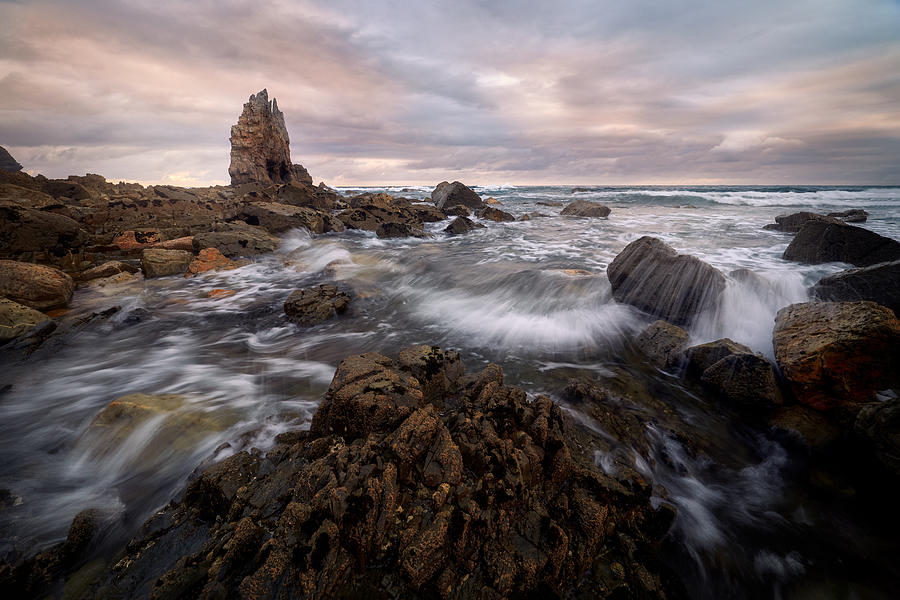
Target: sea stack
[
  {"x": 7, "y": 162},
  {"x": 260, "y": 146}
]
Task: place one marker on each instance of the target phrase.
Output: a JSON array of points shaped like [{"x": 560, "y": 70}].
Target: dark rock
[
  {"x": 395, "y": 230},
  {"x": 879, "y": 283},
  {"x": 495, "y": 214},
  {"x": 554, "y": 203},
  {"x": 451, "y": 194},
  {"x": 663, "y": 344},
  {"x": 878, "y": 423},
  {"x": 795, "y": 221},
  {"x": 703, "y": 356},
  {"x": 427, "y": 213},
  {"x": 26, "y": 230},
  {"x": 819, "y": 242},
  {"x": 575, "y": 190},
  {"x": 457, "y": 211},
  {"x": 652, "y": 276},
  {"x": 239, "y": 239},
  {"x": 260, "y": 146},
  {"x": 316, "y": 305},
  {"x": 746, "y": 381},
  {"x": 278, "y": 218},
  {"x": 371, "y": 211},
  {"x": 7, "y": 162},
  {"x": 301, "y": 194},
  {"x": 807, "y": 424},
  {"x": 17, "y": 320},
  {"x": 160, "y": 262},
  {"x": 852, "y": 215},
  {"x": 107, "y": 269},
  {"x": 583, "y": 208},
  {"x": 437, "y": 370},
  {"x": 35, "y": 286},
  {"x": 837, "y": 353},
  {"x": 462, "y": 225}
]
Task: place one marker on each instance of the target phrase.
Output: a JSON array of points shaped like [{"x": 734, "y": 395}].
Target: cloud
[{"x": 530, "y": 92}]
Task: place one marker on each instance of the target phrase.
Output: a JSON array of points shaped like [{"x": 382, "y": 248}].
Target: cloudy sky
[{"x": 487, "y": 92}]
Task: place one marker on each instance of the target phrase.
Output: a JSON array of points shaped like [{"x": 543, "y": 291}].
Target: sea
[{"x": 755, "y": 518}]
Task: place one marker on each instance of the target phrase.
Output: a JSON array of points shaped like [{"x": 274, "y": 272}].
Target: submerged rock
[
  {"x": 315, "y": 305},
  {"x": 820, "y": 241},
  {"x": 852, "y": 215},
  {"x": 17, "y": 320},
  {"x": 461, "y": 225},
  {"x": 387, "y": 497},
  {"x": 584, "y": 208},
  {"x": 879, "y": 283},
  {"x": 159, "y": 262},
  {"x": 395, "y": 230},
  {"x": 495, "y": 214},
  {"x": 663, "y": 343},
  {"x": 35, "y": 286},
  {"x": 652, "y": 276},
  {"x": 446, "y": 195},
  {"x": 836, "y": 353}
]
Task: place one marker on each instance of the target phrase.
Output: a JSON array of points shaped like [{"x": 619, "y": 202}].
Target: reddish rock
[
  {"x": 209, "y": 259},
  {"x": 107, "y": 269},
  {"x": 837, "y": 353},
  {"x": 134, "y": 240},
  {"x": 35, "y": 286},
  {"x": 182, "y": 243},
  {"x": 220, "y": 293}
]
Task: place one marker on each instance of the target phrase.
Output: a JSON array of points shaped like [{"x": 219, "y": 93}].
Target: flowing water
[{"x": 531, "y": 296}]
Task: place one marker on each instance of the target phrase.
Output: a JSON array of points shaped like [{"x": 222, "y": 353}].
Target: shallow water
[{"x": 504, "y": 294}]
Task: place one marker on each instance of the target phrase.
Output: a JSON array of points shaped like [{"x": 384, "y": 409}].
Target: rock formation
[
  {"x": 260, "y": 146},
  {"x": 583, "y": 208},
  {"x": 879, "y": 283},
  {"x": 820, "y": 241},
  {"x": 7, "y": 162},
  {"x": 447, "y": 194}
]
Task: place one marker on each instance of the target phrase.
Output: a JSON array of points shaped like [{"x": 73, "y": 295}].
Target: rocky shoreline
[{"x": 415, "y": 478}]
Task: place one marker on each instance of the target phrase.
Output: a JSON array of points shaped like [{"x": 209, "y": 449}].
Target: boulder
[
  {"x": 495, "y": 214},
  {"x": 159, "y": 262},
  {"x": 746, "y": 381},
  {"x": 17, "y": 320},
  {"x": 107, "y": 269},
  {"x": 36, "y": 286},
  {"x": 451, "y": 194},
  {"x": 878, "y": 424},
  {"x": 663, "y": 344},
  {"x": 795, "y": 221},
  {"x": 879, "y": 283},
  {"x": 462, "y": 225},
  {"x": 7, "y": 162},
  {"x": 260, "y": 146},
  {"x": 584, "y": 208},
  {"x": 457, "y": 211},
  {"x": 392, "y": 229},
  {"x": 703, "y": 356},
  {"x": 278, "y": 218},
  {"x": 210, "y": 259},
  {"x": 312, "y": 306},
  {"x": 837, "y": 353},
  {"x": 27, "y": 230},
  {"x": 426, "y": 213},
  {"x": 812, "y": 427},
  {"x": 852, "y": 215},
  {"x": 493, "y": 201},
  {"x": 239, "y": 239},
  {"x": 652, "y": 276},
  {"x": 820, "y": 241}
]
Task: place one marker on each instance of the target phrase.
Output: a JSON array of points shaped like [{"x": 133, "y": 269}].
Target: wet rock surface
[
  {"x": 17, "y": 320},
  {"x": 652, "y": 276},
  {"x": 36, "y": 286},
  {"x": 879, "y": 283},
  {"x": 210, "y": 259},
  {"x": 837, "y": 353},
  {"x": 159, "y": 262},
  {"x": 461, "y": 225},
  {"x": 447, "y": 194},
  {"x": 495, "y": 214},
  {"x": 851, "y": 215},
  {"x": 584, "y": 208},
  {"x": 820, "y": 241},
  {"x": 389, "y": 496},
  {"x": 794, "y": 222},
  {"x": 663, "y": 344},
  {"x": 316, "y": 305}
]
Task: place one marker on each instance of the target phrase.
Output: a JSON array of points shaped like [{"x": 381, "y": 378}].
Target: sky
[{"x": 485, "y": 92}]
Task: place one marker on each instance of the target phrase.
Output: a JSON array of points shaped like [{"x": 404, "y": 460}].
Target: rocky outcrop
[
  {"x": 158, "y": 262},
  {"x": 446, "y": 195},
  {"x": 879, "y": 283},
  {"x": 237, "y": 239},
  {"x": 837, "y": 353},
  {"x": 371, "y": 212},
  {"x": 461, "y": 225},
  {"x": 389, "y": 496},
  {"x": 795, "y": 221},
  {"x": 495, "y": 214},
  {"x": 35, "y": 286},
  {"x": 851, "y": 215},
  {"x": 316, "y": 305},
  {"x": 278, "y": 218},
  {"x": 24, "y": 230},
  {"x": 210, "y": 259},
  {"x": 260, "y": 146},
  {"x": 7, "y": 162},
  {"x": 820, "y": 241},
  {"x": 17, "y": 320},
  {"x": 584, "y": 208},
  {"x": 652, "y": 276},
  {"x": 663, "y": 344},
  {"x": 107, "y": 269}
]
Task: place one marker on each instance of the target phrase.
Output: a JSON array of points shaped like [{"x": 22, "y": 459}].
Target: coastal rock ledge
[{"x": 415, "y": 481}]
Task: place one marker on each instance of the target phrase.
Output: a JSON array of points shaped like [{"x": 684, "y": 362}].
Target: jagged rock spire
[
  {"x": 7, "y": 162},
  {"x": 260, "y": 146}
]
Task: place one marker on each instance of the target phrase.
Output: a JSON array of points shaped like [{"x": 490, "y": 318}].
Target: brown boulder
[
  {"x": 159, "y": 262},
  {"x": 821, "y": 241},
  {"x": 237, "y": 239},
  {"x": 879, "y": 283},
  {"x": 495, "y": 214},
  {"x": 663, "y": 343},
  {"x": 837, "y": 353},
  {"x": 451, "y": 194},
  {"x": 584, "y": 208},
  {"x": 210, "y": 259},
  {"x": 794, "y": 222},
  {"x": 652, "y": 276},
  {"x": 35, "y": 286},
  {"x": 17, "y": 320},
  {"x": 107, "y": 269},
  {"x": 461, "y": 225},
  {"x": 315, "y": 305}
]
